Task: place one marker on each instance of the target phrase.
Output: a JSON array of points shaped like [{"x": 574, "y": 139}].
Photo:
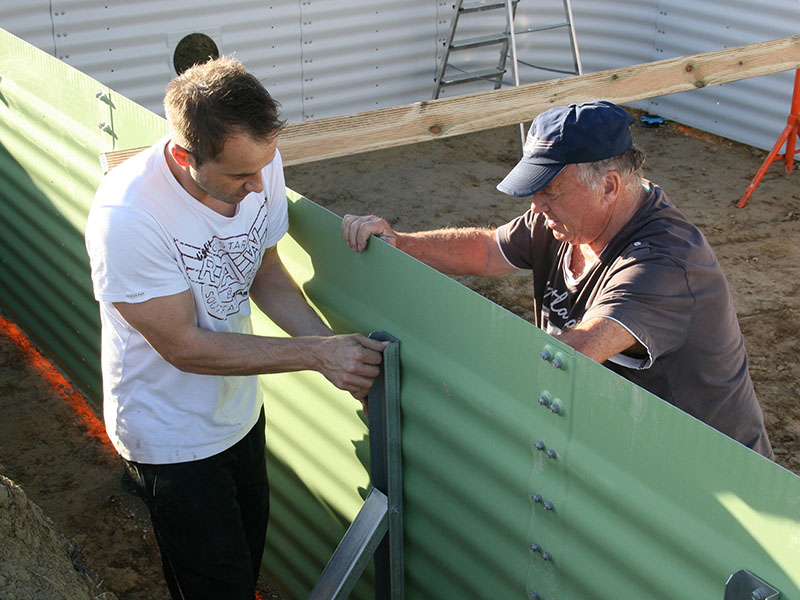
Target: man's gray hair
[{"x": 629, "y": 162}]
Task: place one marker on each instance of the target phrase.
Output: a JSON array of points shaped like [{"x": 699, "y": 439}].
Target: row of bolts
[{"x": 546, "y": 400}]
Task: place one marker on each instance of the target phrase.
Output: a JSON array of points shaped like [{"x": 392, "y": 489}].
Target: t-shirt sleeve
[
  {"x": 515, "y": 240},
  {"x": 648, "y": 294},
  {"x": 131, "y": 259},
  {"x": 278, "y": 219}
]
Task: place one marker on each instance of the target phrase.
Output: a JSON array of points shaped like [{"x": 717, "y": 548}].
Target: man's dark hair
[{"x": 210, "y": 101}]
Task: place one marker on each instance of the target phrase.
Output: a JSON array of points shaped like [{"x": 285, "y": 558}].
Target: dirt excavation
[{"x": 67, "y": 528}]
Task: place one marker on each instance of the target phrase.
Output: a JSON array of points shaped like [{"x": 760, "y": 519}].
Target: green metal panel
[
  {"x": 646, "y": 501},
  {"x": 50, "y": 144}
]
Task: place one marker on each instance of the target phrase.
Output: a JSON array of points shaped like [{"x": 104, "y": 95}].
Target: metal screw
[
  {"x": 535, "y": 547},
  {"x": 544, "y": 400},
  {"x": 555, "y": 408},
  {"x": 533, "y": 595},
  {"x": 759, "y": 594},
  {"x": 536, "y": 498},
  {"x": 546, "y": 556},
  {"x": 546, "y": 355},
  {"x": 551, "y": 453},
  {"x": 557, "y": 362},
  {"x": 540, "y": 445},
  {"x": 549, "y": 506}
]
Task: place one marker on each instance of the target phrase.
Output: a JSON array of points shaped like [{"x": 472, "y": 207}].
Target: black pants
[{"x": 210, "y": 519}]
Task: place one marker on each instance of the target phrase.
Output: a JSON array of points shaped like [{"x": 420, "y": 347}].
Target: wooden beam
[{"x": 424, "y": 121}]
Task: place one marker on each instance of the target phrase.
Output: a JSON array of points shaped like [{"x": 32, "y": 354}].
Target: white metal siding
[
  {"x": 617, "y": 34},
  {"x": 322, "y": 58},
  {"x": 752, "y": 111},
  {"x": 129, "y": 46},
  {"x": 360, "y": 56},
  {"x": 31, "y": 21}
]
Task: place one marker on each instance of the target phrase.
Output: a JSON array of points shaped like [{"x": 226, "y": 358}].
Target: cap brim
[{"x": 526, "y": 178}]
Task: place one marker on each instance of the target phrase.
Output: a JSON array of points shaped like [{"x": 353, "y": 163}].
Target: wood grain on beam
[{"x": 424, "y": 121}]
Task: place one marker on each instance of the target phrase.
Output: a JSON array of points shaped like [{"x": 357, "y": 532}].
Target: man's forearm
[
  {"x": 277, "y": 294},
  {"x": 224, "y": 353},
  {"x": 600, "y": 339},
  {"x": 169, "y": 326},
  {"x": 462, "y": 251}
]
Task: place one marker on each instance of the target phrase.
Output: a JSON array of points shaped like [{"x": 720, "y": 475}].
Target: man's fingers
[
  {"x": 362, "y": 228},
  {"x": 348, "y": 230},
  {"x": 358, "y": 386},
  {"x": 357, "y": 230},
  {"x": 365, "y": 371},
  {"x": 352, "y": 362},
  {"x": 369, "y": 344},
  {"x": 351, "y": 226}
]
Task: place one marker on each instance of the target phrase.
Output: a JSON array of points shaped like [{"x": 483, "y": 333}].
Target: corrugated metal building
[
  {"x": 632, "y": 511},
  {"x": 323, "y": 58}
]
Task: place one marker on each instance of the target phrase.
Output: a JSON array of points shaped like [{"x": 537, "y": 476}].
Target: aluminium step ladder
[{"x": 448, "y": 74}]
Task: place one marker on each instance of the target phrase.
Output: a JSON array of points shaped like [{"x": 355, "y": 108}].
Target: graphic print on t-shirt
[
  {"x": 224, "y": 268},
  {"x": 556, "y": 306}
]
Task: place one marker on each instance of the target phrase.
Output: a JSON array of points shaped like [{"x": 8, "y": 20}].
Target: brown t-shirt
[{"x": 660, "y": 279}]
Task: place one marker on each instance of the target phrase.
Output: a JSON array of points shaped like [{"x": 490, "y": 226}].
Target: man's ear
[
  {"x": 181, "y": 155},
  {"x": 612, "y": 184}
]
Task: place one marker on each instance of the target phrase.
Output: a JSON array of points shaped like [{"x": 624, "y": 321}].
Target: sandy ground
[{"x": 99, "y": 543}]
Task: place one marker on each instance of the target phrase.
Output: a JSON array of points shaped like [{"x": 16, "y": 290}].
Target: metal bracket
[
  {"x": 355, "y": 550},
  {"x": 743, "y": 585},
  {"x": 377, "y": 531}
]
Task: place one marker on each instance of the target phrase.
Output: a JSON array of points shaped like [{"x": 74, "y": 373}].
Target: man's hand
[
  {"x": 351, "y": 363},
  {"x": 357, "y": 230}
]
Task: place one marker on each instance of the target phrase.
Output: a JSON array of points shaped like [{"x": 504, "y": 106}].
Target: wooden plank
[
  {"x": 424, "y": 121},
  {"x": 109, "y": 160},
  {"x": 434, "y": 119}
]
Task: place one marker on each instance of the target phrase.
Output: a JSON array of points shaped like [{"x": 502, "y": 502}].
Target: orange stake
[{"x": 788, "y": 136}]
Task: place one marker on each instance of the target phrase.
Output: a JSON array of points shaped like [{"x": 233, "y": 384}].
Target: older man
[{"x": 619, "y": 273}]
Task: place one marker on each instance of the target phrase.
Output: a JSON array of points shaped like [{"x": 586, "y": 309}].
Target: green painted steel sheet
[
  {"x": 50, "y": 146},
  {"x": 646, "y": 501}
]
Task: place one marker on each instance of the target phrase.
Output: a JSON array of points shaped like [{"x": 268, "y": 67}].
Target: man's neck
[
  {"x": 182, "y": 175},
  {"x": 581, "y": 258},
  {"x": 625, "y": 208}
]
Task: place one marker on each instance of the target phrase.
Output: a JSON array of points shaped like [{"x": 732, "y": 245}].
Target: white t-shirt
[{"x": 147, "y": 237}]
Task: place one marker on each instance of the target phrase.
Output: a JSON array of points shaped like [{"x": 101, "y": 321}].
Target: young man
[
  {"x": 619, "y": 273},
  {"x": 180, "y": 238}
]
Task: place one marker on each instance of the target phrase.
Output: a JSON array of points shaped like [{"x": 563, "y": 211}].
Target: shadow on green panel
[{"x": 44, "y": 280}]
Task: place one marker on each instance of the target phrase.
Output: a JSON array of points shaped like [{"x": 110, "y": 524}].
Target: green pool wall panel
[
  {"x": 50, "y": 146},
  {"x": 647, "y": 502}
]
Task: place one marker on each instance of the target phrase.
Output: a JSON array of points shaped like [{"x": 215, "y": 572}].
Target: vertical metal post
[
  {"x": 573, "y": 40},
  {"x": 513, "y": 36},
  {"x": 386, "y": 469},
  {"x": 377, "y": 531}
]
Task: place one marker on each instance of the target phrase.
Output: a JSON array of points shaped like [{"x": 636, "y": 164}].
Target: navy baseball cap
[{"x": 565, "y": 135}]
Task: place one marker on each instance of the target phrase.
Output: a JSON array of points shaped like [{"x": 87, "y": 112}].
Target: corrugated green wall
[
  {"x": 646, "y": 501},
  {"x": 50, "y": 145}
]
